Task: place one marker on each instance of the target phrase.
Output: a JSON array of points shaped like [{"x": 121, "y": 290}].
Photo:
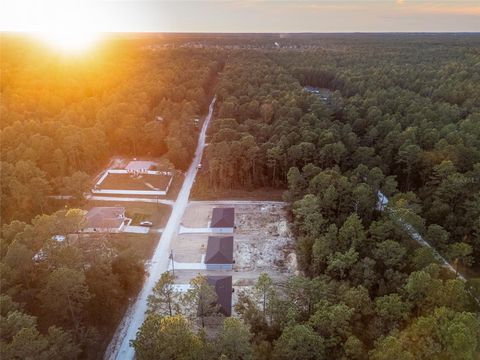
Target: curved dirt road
[{"x": 119, "y": 347}]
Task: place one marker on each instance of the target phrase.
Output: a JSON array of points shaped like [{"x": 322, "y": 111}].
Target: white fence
[{"x": 163, "y": 192}]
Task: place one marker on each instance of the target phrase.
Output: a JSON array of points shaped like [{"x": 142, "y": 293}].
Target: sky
[{"x": 240, "y": 16}]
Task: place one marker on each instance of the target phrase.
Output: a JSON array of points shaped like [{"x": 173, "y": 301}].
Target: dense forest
[
  {"x": 401, "y": 117},
  {"x": 408, "y": 114},
  {"x": 62, "y": 121}
]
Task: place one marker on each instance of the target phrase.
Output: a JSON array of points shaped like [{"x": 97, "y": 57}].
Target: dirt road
[
  {"x": 414, "y": 234},
  {"x": 119, "y": 347}
]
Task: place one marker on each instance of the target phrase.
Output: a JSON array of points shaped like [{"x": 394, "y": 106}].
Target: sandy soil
[
  {"x": 262, "y": 241},
  {"x": 189, "y": 247},
  {"x": 197, "y": 215}
]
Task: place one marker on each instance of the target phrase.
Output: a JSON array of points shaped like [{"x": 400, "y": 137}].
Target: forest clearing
[{"x": 262, "y": 239}]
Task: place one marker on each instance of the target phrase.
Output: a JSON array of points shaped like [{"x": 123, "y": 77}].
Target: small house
[
  {"x": 219, "y": 253},
  {"x": 139, "y": 166},
  {"x": 105, "y": 219},
  {"x": 223, "y": 220},
  {"x": 223, "y": 289}
]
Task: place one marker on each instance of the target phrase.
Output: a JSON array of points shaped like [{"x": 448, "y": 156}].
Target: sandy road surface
[{"x": 119, "y": 347}]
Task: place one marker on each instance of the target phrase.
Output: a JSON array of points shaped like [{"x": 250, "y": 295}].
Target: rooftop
[
  {"x": 223, "y": 218},
  {"x": 219, "y": 250},
  {"x": 223, "y": 288},
  {"x": 105, "y": 217},
  {"x": 137, "y": 165}
]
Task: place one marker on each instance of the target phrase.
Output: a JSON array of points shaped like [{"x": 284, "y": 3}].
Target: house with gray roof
[
  {"x": 219, "y": 253},
  {"x": 223, "y": 289},
  {"x": 109, "y": 219},
  {"x": 223, "y": 220}
]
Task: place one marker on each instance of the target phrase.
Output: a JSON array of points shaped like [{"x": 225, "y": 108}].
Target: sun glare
[
  {"x": 69, "y": 41},
  {"x": 69, "y": 26}
]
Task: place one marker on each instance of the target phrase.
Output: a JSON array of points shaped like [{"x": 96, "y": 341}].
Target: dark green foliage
[
  {"x": 81, "y": 288},
  {"x": 399, "y": 121},
  {"x": 401, "y": 116},
  {"x": 388, "y": 117}
]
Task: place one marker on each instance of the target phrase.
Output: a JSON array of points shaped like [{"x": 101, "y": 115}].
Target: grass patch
[
  {"x": 175, "y": 186},
  {"x": 201, "y": 191},
  {"x": 144, "y": 244},
  {"x": 146, "y": 182},
  {"x": 137, "y": 217},
  {"x": 158, "y": 214}
]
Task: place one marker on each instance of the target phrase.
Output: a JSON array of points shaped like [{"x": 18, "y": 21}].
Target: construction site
[{"x": 262, "y": 242}]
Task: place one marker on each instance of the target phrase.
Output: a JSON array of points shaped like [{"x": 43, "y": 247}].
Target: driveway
[
  {"x": 136, "y": 229},
  {"x": 188, "y": 266},
  {"x": 190, "y": 230}
]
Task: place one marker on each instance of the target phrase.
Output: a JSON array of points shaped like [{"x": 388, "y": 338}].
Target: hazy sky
[{"x": 241, "y": 16}]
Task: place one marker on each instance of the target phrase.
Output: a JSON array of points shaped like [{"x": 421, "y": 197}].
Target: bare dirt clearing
[
  {"x": 197, "y": 215},
  {"x": 189, "y": 248},
  {"x": 262, "y": 241}
]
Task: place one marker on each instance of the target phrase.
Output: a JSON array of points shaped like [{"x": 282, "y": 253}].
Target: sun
[
  {"x": 69, "y": 41},
  {"x": 69, "y": 26}
]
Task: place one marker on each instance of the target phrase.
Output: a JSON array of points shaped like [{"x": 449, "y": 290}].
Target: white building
[{"x": 139, "y": 166}]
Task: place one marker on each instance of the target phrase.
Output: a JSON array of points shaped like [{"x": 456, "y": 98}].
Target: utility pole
[{"x": 173, "y": 263}]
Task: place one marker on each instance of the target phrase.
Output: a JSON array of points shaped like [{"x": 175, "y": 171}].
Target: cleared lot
[
  {"x": 197, "y": 215},
  {"x": 189, "y": 248},
  {"x": 139, "y": 211},
  {"x": 263, "y": 239},
  {"x": 262, "y": 242},
  {"x": 135, "y": 182}
]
